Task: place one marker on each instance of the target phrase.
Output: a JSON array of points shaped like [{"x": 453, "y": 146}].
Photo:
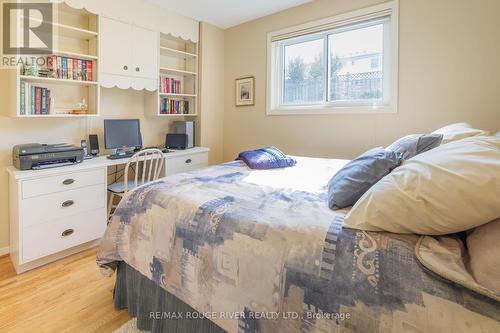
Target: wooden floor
[{"x": 69, "y": 295}]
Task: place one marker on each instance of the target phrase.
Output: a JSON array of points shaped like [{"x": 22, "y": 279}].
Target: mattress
[{"x": 260, "y": 251}]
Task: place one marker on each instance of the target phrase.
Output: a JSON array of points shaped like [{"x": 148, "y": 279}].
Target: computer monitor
[{"x": 122, "y": 133}]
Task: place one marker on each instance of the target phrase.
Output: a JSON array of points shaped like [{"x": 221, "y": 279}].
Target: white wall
[
  {"x": 449, "y": 71},
  {"x": 212, "y": 91}
]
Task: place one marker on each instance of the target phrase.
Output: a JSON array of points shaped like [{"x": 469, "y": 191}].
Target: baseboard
[{"x": 4, "y": 250}]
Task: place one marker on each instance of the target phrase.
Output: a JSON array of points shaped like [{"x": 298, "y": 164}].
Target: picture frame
[{"x": 245, "y": 91}]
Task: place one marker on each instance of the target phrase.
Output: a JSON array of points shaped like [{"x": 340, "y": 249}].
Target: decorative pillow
[
  {"x": 497, "y": 134},
  {"x": 484, "y": 252},
  {"x": 266, "y": 158},
  {"x": 357, "y": 176},
  {"x": 412, "y": 145},
  {"x": 458, "y": 131},
  {"x": 452, "y": 188}
]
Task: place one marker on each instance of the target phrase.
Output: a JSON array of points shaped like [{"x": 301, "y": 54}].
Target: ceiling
[{"x": 226, "y": 13}]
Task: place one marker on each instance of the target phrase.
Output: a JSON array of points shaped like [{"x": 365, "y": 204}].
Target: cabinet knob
[
  {"x": 68, "y": 181},
  {"x": 137, "y": 69},
  {"x": 125, "y": 67},
  {"x": 68, "y": 203},
  {"x": 67, "y": 232},
  {"x": 188, "y": 161}
]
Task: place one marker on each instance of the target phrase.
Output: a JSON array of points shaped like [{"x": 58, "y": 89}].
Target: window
[{"x": 346, "y": 63}]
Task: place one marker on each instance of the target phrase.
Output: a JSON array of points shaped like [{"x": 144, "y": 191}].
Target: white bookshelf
[
  {"x": 76, "y": 35},
  {"x": 178, "y": 60}
]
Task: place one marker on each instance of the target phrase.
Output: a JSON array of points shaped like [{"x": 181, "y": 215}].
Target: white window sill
[{"x": 329, "y": 109}]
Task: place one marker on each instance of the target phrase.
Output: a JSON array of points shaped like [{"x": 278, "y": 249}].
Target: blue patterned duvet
[{"x": 260, "y": 251}]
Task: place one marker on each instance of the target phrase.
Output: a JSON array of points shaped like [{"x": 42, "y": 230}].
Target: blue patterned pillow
[
  {"x": 356, "y": 177},
  {"x": 266, "y": 158},
  {"x": 415, "y": 144}
]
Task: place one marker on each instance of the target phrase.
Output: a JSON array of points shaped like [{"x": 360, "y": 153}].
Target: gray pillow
[
  {"x": 357, "y": 176},
  {"x": 412, "y": 145}
]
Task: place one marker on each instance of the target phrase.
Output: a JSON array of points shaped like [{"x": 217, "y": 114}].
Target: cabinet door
[
  {"x": 116, "y": 47},
  {"x": 145, "y": 53}
]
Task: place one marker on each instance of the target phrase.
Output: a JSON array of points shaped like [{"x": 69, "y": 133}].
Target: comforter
[{"x": 260, "y": 251}]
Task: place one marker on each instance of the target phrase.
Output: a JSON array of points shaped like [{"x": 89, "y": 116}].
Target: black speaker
[
  {"x": 94, "y": 144},
  {"x": 176, "y": 141}
]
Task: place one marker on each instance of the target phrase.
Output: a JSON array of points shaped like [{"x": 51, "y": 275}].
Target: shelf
[
  {"x": 74, "y": 55},
  {"x": 177, "y": 95},
  {"x": 177, "y": 52},
  {"x": 55, "y": 115},
  {"x": 56, "y": 81},
  {"x": 178, "y": 115},
  {"x": 176, "y": 71},
  {"x": 69, "y": 31},
  {"x": 72, "y": 32}
]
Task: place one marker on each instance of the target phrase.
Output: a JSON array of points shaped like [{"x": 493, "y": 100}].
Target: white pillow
[
  {"x": 497, "y": 134},
  {"x": 451, "y": 188},
  {"x": 484, "y": 253},
  {"x": 458, "y": 131}
]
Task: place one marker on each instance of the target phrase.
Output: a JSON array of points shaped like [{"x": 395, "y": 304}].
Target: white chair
[{"x": 152, "y": 162}]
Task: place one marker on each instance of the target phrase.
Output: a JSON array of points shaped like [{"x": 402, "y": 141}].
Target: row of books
[
  {"x": 170, "y": 85},
  {"x": 34, "y": 100},
  {"x": 173, "y": 106},
  {"x": 70, "y": 68}
]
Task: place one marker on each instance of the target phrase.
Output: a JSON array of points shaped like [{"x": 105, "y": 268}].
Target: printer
[{"x": 41, "y": 156}]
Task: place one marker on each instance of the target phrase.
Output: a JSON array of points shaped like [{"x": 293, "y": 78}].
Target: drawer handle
[
  {"x": 68, "y": 203},
  {"x": 68, "y": 181},
  {"x": 67, "y": 232},
  {"x": 125, "y": 67},
  {"x": 189, "y": 160},
  {"x": 137, "y": 69}
]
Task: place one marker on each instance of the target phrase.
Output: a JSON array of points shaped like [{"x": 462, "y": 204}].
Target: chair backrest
[{"x": 152, "y": 162}]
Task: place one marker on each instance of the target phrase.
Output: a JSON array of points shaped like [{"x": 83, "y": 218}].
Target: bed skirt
[{"x": 156, "y": 310}]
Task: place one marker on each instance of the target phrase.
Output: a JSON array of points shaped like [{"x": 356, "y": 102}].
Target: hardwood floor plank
[{"x": 69, "y": 295}]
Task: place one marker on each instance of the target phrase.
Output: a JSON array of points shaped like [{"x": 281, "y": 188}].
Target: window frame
[{"x": 275, "y": 63}]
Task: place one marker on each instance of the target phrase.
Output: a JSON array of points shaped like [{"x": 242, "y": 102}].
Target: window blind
[{"x": 329, "y": 24}]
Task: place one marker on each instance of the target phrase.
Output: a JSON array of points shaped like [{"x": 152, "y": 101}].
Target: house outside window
[{"x": 343, "y": 64}]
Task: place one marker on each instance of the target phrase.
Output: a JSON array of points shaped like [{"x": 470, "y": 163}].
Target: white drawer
[
  {"x": 186, "y": 163},
  {"x": 47, "y": 238},
  {"x": 62, "y": 182},
  {"x": 59, "y": 205}
]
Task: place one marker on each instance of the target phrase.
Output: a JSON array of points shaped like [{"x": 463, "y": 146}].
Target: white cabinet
[
  {"x": 116, "y": 55},
  {"x": 129, "y": 56},
  {"x": 57, "y": 212},
  {"x": 52, "y": 216},
  {"x": 145, "y": 53},
  {"x": 187, "y": 162}
]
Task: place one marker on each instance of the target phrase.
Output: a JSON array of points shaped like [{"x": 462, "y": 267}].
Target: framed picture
[{"x": 245, "y": 91}]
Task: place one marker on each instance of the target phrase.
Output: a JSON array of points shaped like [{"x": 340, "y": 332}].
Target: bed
[{"x": 232, "y": 249}]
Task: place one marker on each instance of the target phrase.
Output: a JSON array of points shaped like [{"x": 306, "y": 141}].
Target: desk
[{"x": 57, "y": 212}]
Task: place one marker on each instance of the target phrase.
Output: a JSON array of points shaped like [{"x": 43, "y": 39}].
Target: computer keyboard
[{"x": 119, "y": 157}]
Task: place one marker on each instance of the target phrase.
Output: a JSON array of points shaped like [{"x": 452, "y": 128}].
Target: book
[
  {"x": 74, "y": 65},
  {"x": 49, "y": 103},
  {"x": 32, "y": 99},
  {"x": 59, "y": 66},
  {"x": 84, "y": 70},
  {"x": 79, "y": 66},
  {"x": 70, "y": 69},
  {"x": 38, "y": 100},
  {"x": 22, "y": 96},
  {"x": 65, "y": 68},
  {"x": 27, "y": 99},
  {"x": 90, "y": 74},
  {"x": 43, "y": 107}
]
